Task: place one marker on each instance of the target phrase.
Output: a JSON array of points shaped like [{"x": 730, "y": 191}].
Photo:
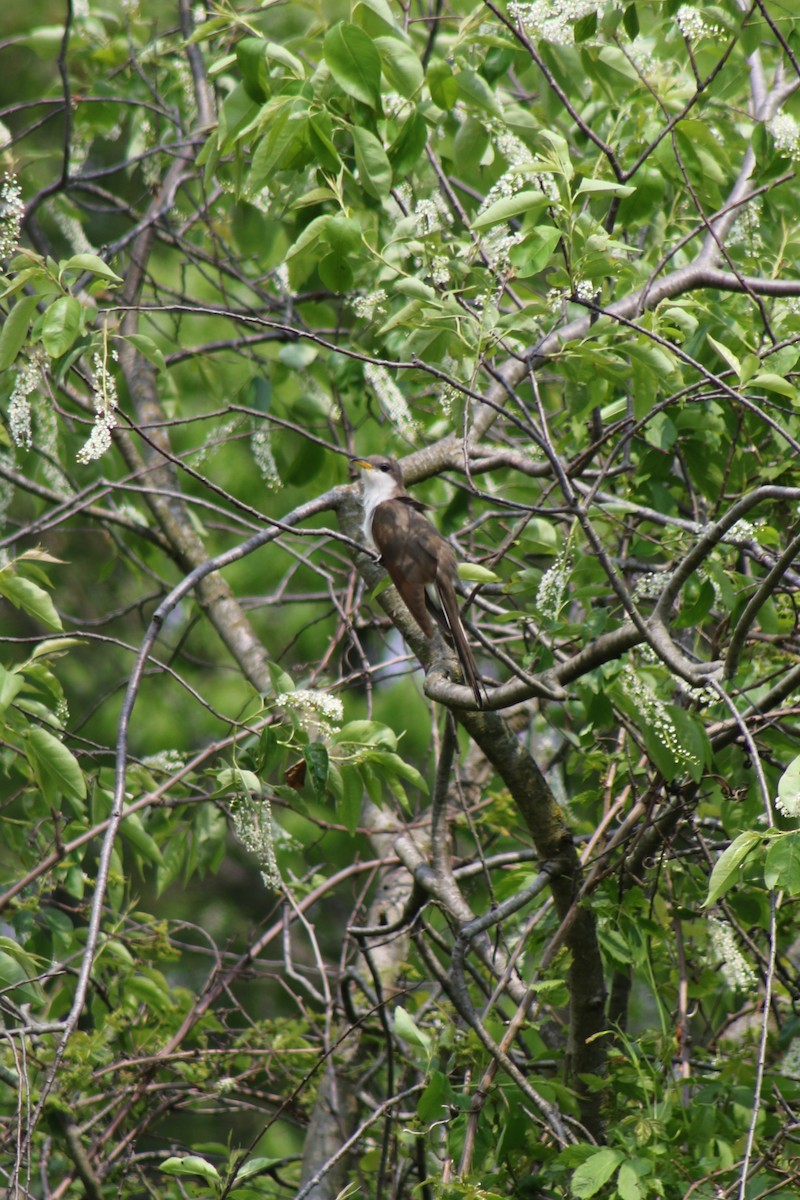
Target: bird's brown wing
[
  {"x": 415, "y": 554},
  {"x": 408, "y": 545}
]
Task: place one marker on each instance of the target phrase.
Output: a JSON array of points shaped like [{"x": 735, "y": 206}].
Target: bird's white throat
[{"x": 377, "y": 486}]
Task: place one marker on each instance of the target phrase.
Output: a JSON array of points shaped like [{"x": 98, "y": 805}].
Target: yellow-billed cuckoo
[{"x": 414, "y": 553}]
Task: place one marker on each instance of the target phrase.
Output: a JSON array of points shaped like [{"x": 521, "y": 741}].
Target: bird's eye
[{"x": 384, "y": 467}]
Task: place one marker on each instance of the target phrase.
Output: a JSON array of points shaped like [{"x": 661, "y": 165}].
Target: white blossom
[
  {"x": 785, "y": 134},
  {"x": 552, "y": 20},
  {"x": 106, "y": 402},
  {"x": 12, "y": 211},
  {"x": 261, "y": 446},
  {"x": 553, "y": 584},
  {"x": 391, "y": 400},
  {"x": 736, "y": 970},
  {"x": 432, "y": 215},
  {"x": 649, "y": 586},
  {"x": 258, "y": 832},
  {"x": 653, "y": 715},
  {"x": 440, "y": 270},
  {"x": 367, "y": 305},
  {"x": 693, "y": 25},
  {"x": 316, "y": 711}
]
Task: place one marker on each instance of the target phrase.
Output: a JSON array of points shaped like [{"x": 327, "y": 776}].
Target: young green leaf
[
  {"x": 31, "y": 598},
  {"x": 726, "y": 868},
  {"x": 61, "y": 324},
  {"x": 354, "y": 62}
]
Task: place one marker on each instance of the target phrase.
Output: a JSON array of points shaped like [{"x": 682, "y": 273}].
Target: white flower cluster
[
  {"x": 519, "y": 171},
  {"x": 654, "y": 716},
  {"x": 74, "y": 232},
  {"x": 582, "y": 289},
  {"x": 649, "y": 586},
  {"x": 106, "y": 403},
  {"x": 788, "y": 805},
  {"x": 391, "y": 400},
  {"x": 498, "y": 245},
  {"x": 19, "y": 409},
  {"x": 368, "y": 305},
  {"x": 553, "y": 584},
  {"x": 168, "y": 761},
  {"x": 746, "y": 229},
  {"x": 552, "y": 20},
  {"x": 786, "y": 135},
  {"x": 741, "y": 531},
  {"x": 315, "y": 710},
  {"x": 693, "y": 25},
  {"x": 736, "y": 970},
  {"x": 790, "y": 1063},
  {"x": 440, "y": 270},
  {"x": 12, "y": 211},
  {"x": 261, "y": 446},
  {"x": 256, "y": 830},
  {"x": 432, "y": 215}
]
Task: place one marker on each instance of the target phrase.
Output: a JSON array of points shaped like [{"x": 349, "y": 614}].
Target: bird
[{"x": 415, "y": 555}]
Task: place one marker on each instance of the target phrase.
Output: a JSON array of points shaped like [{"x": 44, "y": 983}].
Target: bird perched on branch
[{"x": 415, "y": 555}]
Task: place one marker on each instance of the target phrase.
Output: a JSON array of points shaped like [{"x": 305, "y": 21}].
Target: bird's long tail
[{"x": 455, "y": 628}]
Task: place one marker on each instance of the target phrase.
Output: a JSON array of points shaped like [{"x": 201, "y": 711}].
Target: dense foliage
[{"x": 283, "y": 914}]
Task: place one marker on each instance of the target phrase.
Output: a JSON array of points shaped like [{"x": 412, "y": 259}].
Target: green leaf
[
  {"x": 61, "y": 324},
  {"x": 15, "y": 980},
  {"x": 15, "y": 329},
  {"x": 93, "y": 263},
  {"x": 475, "y": 573},
  {"x": 630, "y": 21},
  {"x": 401, "y": 65},
  {"x": 147, "y": 347},
  {"x": 135, "y": 834},
  {"x": 782, "y": 866},
  {"x": 407, "y": 1028},
  {"x": 411, "y": 286},
  {"x": 475, "y": 90},
  {"x": 251, "y": 1168},
  {"x": 789, "y": 787},
  {"x": 366, "y": 733},
  {"x": 191, "y": 1164},
  {"x": 253, "y": 66},
  {"x": 430, "y": 1106},
  {"x": 590, "y": 1176},
  {"x": 774, "y": 383},
  {"x": 585, "y": 27},
  {"x": 354, "y": 62},
  {"x": 326, "y": 154},
  {"x": 349, "y": 804},
  {"x": 31, "y": 598},
  {"x": 316, "y": 757},
  {"x": 727, "y": 355},
  {"x": 628, "y": 1183},
  {"x": 539, "y": 537},
  {"x": 10, "y": 683},
  {"x": 55, "y": 767},
  {"x": 533, "y": 255},
  {"x": 726, "y": 868},
  {"x": 280, "y": 54},
  {"x": 406, "y": 149},
  {"x": 374, "y": 169},
  {"x": 520, "y": 204},
  {"x": 605, "y": 187},
  {"x": 442, "y": 85},
  {"x": 395, "y": 765}
]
